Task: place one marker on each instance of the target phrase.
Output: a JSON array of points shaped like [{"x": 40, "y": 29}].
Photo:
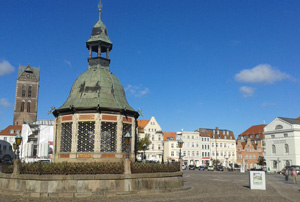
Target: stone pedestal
[
  {"x": 180, "y": 164},
  {"x": 17, "y": 167},
  {"x": 127, "y": 166}
]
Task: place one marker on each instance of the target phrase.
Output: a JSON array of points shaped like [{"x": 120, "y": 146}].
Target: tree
[
  {"x": 261, "y": 161},
  {"x": 215, "y": 162},
  {"x": 141, "y": 141}
]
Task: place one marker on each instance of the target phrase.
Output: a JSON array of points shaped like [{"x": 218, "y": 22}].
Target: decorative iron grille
[
  {"x": 66, "y": 137},
  {"x": 108, "y": 137},
  {"x": 86, "y": 136},
  {"x": 126, "y": 128}
]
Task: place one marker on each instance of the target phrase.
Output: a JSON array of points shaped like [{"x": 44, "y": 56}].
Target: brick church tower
[{"x": 27, "y": 91}]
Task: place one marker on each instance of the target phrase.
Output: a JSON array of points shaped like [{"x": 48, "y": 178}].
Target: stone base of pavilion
[{"x": 90, "y": 185}]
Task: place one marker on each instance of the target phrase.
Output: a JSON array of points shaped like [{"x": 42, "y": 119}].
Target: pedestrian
[{"x": 294, "y": 176}]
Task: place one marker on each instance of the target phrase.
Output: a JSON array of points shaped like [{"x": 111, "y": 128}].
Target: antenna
[{"x": 100, "y": 9}]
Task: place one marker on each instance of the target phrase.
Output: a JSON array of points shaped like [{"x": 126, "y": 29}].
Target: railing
[{"x": 154, "y": 167}]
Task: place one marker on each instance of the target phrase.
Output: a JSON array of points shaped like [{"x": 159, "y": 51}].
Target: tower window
[
  {"x": 22, "y": 106},
  {"x": 29, "y": 91},
  {"x": 28, "y": 106},
  {"x": 23, "y": 90}
]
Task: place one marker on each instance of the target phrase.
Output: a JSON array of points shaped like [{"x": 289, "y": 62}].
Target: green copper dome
[{"x": 97, "y": 87}]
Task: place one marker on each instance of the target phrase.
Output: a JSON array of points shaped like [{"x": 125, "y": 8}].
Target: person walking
[{"x": 294, "y": 176}]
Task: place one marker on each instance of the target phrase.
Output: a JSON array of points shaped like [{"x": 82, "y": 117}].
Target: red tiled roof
[
  {"x": 256, "y": 129},
  {"x": 142, "y": 124},
  {"x": 168, "y": 135},
  {"x": 6, "y": 131},
  {"x": 222, "y": 133}
]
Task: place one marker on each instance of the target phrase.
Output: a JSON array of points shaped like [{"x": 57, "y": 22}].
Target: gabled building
[
  {"x": 248, "y": 153},
  {"x": 255, "y": 134},
  {"x": 151, "y": 127},
  {"x": 222, "y": 144},
  {"x": 282, "y": 138},
  {"x": 9, "y": 133}
]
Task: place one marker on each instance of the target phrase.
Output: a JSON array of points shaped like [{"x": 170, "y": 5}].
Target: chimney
[{"x": 217, "y": 128}]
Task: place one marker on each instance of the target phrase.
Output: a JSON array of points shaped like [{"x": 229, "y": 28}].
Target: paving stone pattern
[{"x": 205, "y": 186}]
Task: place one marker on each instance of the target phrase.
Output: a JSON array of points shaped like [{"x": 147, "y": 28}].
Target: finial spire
[{"x": 100, "y": 9}]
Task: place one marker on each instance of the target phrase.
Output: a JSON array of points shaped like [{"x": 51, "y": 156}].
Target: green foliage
[
  {"x": 141, "y": 141},
  {"x": 65, "y": 168},
  {"x": 261, "y": 161},
  {"x": 154, "y": 167},
  {"x": 215, "y": 162}
]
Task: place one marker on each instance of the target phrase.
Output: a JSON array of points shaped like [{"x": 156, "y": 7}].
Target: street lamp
[
  {"x": 15, "y": 146},
  {"x": 180, "y": 143},
  {"x": 144, "y": 148},
  {"x": 18, "y": 143},
  {"x": 127, "y": 141}
]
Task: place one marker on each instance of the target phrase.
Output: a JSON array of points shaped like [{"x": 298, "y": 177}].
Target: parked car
[
  {"x": 183, "y": 167},
  {"x": 201, "y": 168},
  {"x": 220, "y": 168},
  {"x": 297, "y": 168},
  {"x": 191, "y": 167},
  {"x": 210, "y": 168}
]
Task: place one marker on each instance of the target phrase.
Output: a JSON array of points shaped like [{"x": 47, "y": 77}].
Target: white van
[{"x": 6, "y": 152}]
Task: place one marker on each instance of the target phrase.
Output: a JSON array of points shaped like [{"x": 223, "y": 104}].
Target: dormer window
[{"x": 12, "y": 131}]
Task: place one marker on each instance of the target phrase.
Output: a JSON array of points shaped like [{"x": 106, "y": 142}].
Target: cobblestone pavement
[{"x": 205, "y": 186}]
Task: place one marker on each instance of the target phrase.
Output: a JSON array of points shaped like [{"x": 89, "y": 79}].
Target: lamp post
[
  {"x": 180, "y": 143},
  {"x": 144, "y": 148},
  {"x": 15, "y": 149},
  {"x": 127, "y": 141},
  {"x": 18, "y": 143}
]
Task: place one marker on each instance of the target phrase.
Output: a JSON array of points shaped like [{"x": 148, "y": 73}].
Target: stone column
[
  {"x": 107, "y": 53},
  {"x": 127, "y": 166},
  {"x": 119, "y": 136},
  {"x": 90, "y": 48},
  {"x": 99, "y": 50},
  {"x": 97, "y": 136},
  {"x": 74, "y": 136}
]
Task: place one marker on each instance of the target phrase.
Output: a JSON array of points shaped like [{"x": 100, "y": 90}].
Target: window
[
  {"x": 172, "y": 145},
  {"x": 220, "y": 144},
  {"x": 29, "y": 91},
  {"x": 5, "y": 138},
  {"x": 177, "y": 153},
  {"x": 152, "y": 146},
  {"x": 66, "y": 137},
  {"x": 192, "y": 144},
  {"x": 197, "y": 145},
  {"x": 202, "y": 146},
  {"x": 239, "y": 150},
  {"x": 22, "y": 106},
  {"x": 257, "y": 135},
  {"x": 11, "y": 139},
  {"x": 224, "y": 145},
  {"x": 212, "y": 144},
  {"x": 225, "y": 137},
  {"x": 152, "y": 137},
  {"x": 278, "y": 127},
  {"x": 86, "y": 137},
  {"x": 184, "y": 153},
  {"x": 207, "y": 154},
  {"x": 188, "y": 153},
  {"x": 213, "y": 154},
  {"x": 285, "y": 135},
  {"x": 239, "y": 156},
  {"x": 28, "y": 106},
  {"x": 221, "y": 153},
  {"x": 159, "y": 137},
  {"x": 216, "y": 144},
  {"x": 253, "y": 156},
  {"x": 197, "y": 153},
  {"x": 232, "y": 153},
  {"x": 248, "y": 145},
  {"x": 17, "y": 131},
  {"x": 202, "y": 154},
  {"x": 172, "y": 153},
  {"x": 275, "y": 164},
  {"x": 192, "y": 137},
  {"x": 159, "y": 147},
  {"x": 193, "y": 153},
  {"x": 231, "y": 137},
  {"x": 251, "y": 136},
  {"x": 273, "y": 149},
  {"x": 250, "y": 157},
  {"x": 287, "y": 163},
  {"x": 12, "y": 131},
  {"x": 4, "y": 147},
  {"x": 188, "y": 137},
  {"x": 246, "y": 156},
  {"x": 272, "y": 136},
  {"x": 286, "y": 146},
  {"x": 23, "y": 90}
]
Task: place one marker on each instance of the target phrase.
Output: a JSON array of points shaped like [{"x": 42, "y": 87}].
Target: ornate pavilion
[{"x": 90, "y": 126}]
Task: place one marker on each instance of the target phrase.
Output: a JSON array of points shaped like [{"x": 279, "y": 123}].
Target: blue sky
[{"x": 191, "y": 64}]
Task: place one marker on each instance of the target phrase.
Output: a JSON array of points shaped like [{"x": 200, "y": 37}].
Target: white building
[
  {"x": 191, "y": 149},
  {"x": 223, "y": 145},
  {"x": 150, "y": 127},
  {"x": 9, "y": 134},
  {"x": 282, "y": 137}
]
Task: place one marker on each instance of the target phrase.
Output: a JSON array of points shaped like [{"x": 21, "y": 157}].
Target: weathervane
[{"x": 100, "y": 9}]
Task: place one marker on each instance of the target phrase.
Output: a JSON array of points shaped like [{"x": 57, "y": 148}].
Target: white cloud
[
  {"x": 247, "y": 91},
  {"x": 6, "y": 68},
  {"x": 262, "y": 73},
  {"x": 137, "y": 91},
  {"x": 267, "y": 104},
  {"x": 67, "y": 62},
  {"x": 4, "y": 103}
]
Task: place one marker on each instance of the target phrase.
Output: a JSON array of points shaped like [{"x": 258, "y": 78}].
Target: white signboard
[{"x": 258, "y": 180}]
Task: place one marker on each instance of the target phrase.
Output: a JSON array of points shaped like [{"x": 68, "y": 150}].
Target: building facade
[
  {"x": 223, "y": 145},
  {"x": 248, "y": 154},
  {"x": 27, "y": 91},
  {"x": 151, "y": 128},
  {"x": 282, "y": 137},
  {"x": 9, "y": 133}
]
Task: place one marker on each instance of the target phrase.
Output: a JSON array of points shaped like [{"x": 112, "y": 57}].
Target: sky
[{"x": 190, "y": 64}]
